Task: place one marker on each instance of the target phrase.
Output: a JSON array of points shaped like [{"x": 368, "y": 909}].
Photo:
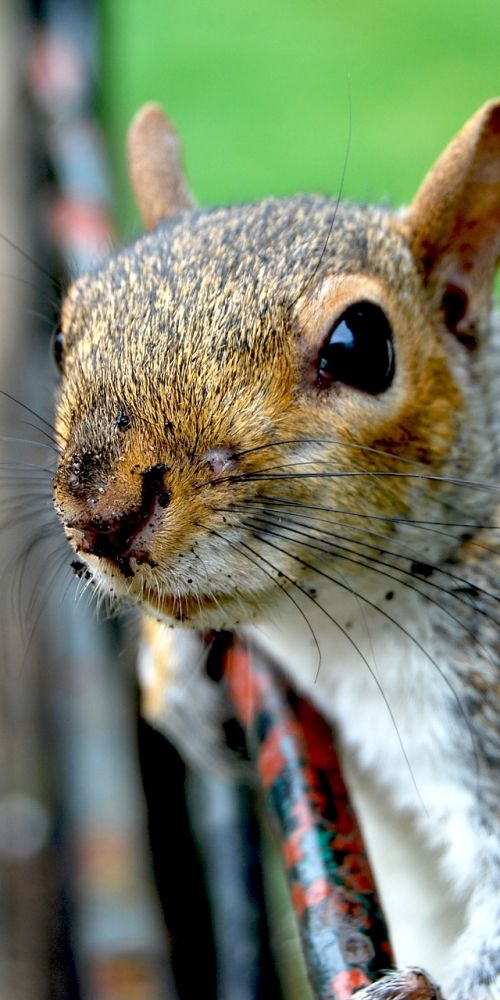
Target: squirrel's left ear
[
  {"x": 155, "y": 166},
  {"x": 453, "y": 224}
]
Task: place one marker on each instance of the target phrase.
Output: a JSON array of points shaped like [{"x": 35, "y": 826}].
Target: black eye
[
  {"x": 359, "y": 350},
  {"x": 58, "y": 347}
]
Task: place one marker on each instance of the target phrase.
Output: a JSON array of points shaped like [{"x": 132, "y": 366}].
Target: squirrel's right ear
[
  {"x": 154, "y": 159},
  {"x": 453, "y": 224}
]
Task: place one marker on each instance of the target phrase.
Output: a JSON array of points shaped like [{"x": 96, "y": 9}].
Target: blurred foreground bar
[
  {"x": 343, "y": 931},
  {"x": 110, "y": 924}
]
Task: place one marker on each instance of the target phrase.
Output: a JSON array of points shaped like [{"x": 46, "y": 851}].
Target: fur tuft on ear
[
  {"x": 154, "y": 158},
  {"x": 453, "y": 224}
]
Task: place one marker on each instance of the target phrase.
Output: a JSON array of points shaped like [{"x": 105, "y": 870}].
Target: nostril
[
  {"x": 113, "y": 538},
  {"x": 153, "y": 485},
  {"x": 110, "y": 539}
]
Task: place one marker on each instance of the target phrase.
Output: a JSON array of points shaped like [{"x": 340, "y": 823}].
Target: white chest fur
[{"x": 388, "y": 692}]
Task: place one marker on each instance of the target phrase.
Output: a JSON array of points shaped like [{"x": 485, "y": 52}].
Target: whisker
[
  {"x": 44, "y": 578},
  {"x": 37, "y": 606},
  {"x": 243, "y": 510},
  {"x": 414, "y": 555},
  {"x": 358, "y": 651},
  {"x": 11, "y": 439},
  {"x": 205, "y": 569},
  {"x": 425, "y": 525},
  {"x": 23, "y": 516},
  {"x": 26, "y": 311},
  {"x": 30, "y": 499},
  {"x": 28, "y": 409},
  {"x": 12, "y": 517},
  {"x": 350, "y": 445},
  {"x": 31, "y": 284},
  {"x": 25, "y": 471},
  {"x": 43, "y": 270},
  {"x": 337, "y": 551},
  {"x": 276, "y": 582},
  {"x": 54, "y": 444},
  {"x": 400, "y": 627},
  {"x": 250, "y": 477},
  {"x": 68, "y": 580},
  {"x": 353, "y": 471},
  {"x": 16, "y": 570},
  {"x": 355, "y": 446}
]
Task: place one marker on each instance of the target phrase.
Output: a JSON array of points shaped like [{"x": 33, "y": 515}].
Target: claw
[{"x": 409, "y": 984}]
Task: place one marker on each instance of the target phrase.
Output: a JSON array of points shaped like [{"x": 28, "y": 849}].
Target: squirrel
[{"x": 281, "y": 418}]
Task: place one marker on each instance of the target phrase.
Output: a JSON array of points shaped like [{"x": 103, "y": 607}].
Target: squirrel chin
[
  {"x": 197, "y": 611},
  {"x": 219, "y": 612}
]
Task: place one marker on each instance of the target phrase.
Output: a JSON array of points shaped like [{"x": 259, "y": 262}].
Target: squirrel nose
[{"x": 113, "y": 537}]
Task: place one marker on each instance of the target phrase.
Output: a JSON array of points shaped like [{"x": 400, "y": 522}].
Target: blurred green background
[{"x": 261, "y": 89}]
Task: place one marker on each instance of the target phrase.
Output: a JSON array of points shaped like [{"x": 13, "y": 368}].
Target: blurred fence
[
  {"x": 121, "y": 875},
  {"x": 80, "y": 916},
  {"x": 103, "y": 892}
]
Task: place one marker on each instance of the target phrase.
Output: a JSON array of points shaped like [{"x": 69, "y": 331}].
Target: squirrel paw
[{"x": 409, "y": 984}]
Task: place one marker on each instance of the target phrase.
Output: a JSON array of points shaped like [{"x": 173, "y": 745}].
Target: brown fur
[
  {"x": 194, "y": 353},
  {"x": 251, "y": 381}
]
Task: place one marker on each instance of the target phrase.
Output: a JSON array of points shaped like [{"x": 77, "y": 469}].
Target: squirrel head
[{"x": 237, "y": 364}]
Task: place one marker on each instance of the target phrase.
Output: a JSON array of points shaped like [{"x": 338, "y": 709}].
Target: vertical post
[{"x": 343, "y": 931}]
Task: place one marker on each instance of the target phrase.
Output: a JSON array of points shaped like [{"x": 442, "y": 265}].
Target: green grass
[{"x": 261, "y": 89}]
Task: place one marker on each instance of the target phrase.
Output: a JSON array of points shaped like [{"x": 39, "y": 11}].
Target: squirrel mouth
[
  {"x": 181, "y": 608},
  {"x": 176, "y": 607}
]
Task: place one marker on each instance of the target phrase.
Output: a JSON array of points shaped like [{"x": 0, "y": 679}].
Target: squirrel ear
[
  {"x": 154, "y": 159},
  {"x": 453, "y": 224}
]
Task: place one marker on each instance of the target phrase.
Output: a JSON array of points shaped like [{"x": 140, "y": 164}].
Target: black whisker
[
  {"x": 431, "y": 526},
  {"x": 399, "y": 626},
  {"x": 251, "y": 477},
  {"x": 358, "y": 651},
  {"x": 350, "y": 445},
  {"x": 54, "y": 444},
  {"x": 31, "y": 284},
  {"x": 368, "y": 563},
  {"x": 28, "y": 409},
  {"x": 274, "y": 581},
  {"x": 413, "y": 557},
  {"x": 43, "y": 270}
]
